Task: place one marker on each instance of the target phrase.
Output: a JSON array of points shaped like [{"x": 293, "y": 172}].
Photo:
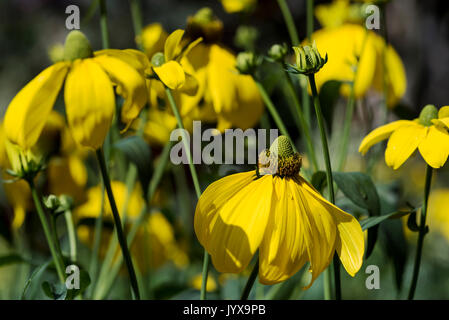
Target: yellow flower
[
  {"x": 198, "y": 280},
  {"x": 337, "y": 13},
  {"x": 155, "y": 242},
  {"x": 153, "y": 39},
  {"x": 438, "y": 213},
  {"x": 281, "y": 215},
  {"x": 90, "y": 78},
  {"x": 233, "y": 6},
  {"x": 168, "y": 66},
  {"x": 343, "y": 45},
  {"x": 428, "y": 133}
]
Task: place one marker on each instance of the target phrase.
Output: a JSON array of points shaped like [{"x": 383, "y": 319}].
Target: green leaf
[
  {"x": 319, "y": 180},
  {"x": 11, "y": 259},
  {"x": 56, "y": 291},
  {"x": 329, "y": 95},
  {"x": 374, "y": 221},
  {"x": 37, "y": 273},
  {"x": 360, "y": 189},
  {"x": 138, "y": 152},
  {"x": 411, "y": 222}
]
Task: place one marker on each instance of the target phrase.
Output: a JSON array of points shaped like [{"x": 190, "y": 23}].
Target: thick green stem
[
  {"x": 195, "y": 183},
  {"x": 137, "y": 21},
  {"x": 118, "y": 223},
  {"x": 329, "y": 178},
  {"x": 422, "y": 232},
  {"x": 250, "y": 282},
  {"x": 305, "y": 129},
  {"x": 104, "y": 24},
  {"x": 71, "y": 233},
  {"x": 273, "y": 112},
  {"x": 288, "y": 18},
  {"x": 309, "y": 19},
  {"x": 57, "y": 259}
]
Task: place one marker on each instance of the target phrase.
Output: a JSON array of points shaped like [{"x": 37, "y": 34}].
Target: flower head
[
  {"x": 428, "y": 133},
  {"x": 279, "y": 214},
  {"x": 90, "y": 78},
  {"x": 308, "y": 59}
]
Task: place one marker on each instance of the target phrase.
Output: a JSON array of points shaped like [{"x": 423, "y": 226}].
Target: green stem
[
  {"x": 71, "y": 233},
  {"x": 422, "y": 232},
  {"x": 57, "y": 259},
  {"x": 106, "y": 283},
  {"x": 329, "y": 178},
  {"x": 273, "y": 112},
  {"x": 195, "y": 183},
  {"x": 305, "y": 129},
  {"x": 104, "y": 24},
  {"x": 137, "y": 21},
  {"x": 309, "y": 19},
  {"x": 118, "y": 223},
  {"x": 288, "y": 18},
  {"x": 250, "y": 282}
]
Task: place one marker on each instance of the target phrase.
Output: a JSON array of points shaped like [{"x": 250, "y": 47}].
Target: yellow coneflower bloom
[
  {"x": 90, "y": 78},
  {"x": 281, "y": 215},
  {"x": 428, "y": 133},
  {"x": 344, "y": 44},
  {"x": 233, "y": 6}
]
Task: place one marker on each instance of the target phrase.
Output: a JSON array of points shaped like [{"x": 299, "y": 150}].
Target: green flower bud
[
  {"x": 158, "y": 59},
  {"x": 52, "y": 202},
  {"x": 204, "y": 15},
  {"x": 278, "y": 52},
  {"x": 77, "y": 46},
  {"x": 428, "y": 113},
  {"x": 247, "y": 62},
  {"x": 25, "y": 164},
  {"x": 204, "y": 24},
  {"x": 282, "y": 147},
  {"x": 308, "y": 59},
  {"x": 246, "y": 37}
]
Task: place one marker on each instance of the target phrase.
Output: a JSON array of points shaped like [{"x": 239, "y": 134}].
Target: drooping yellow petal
[
  {"x": 135, "y": 58},
  {"x": 172, "y": 47},
  {"x": 190, "y": 86},
  {"x": 131, "y": 85},
  {"x": 343, "y": 44},
  {"x": 403, "y": 142},
  {"x": 221, "y": 75},
  {"x": 28, "y": 111},
  {"x": 349, "y": 242},
  {"x": 434, "y": 148},
  {"x": 230, "y": 219},
  {"x": 300, "y": 229},
  {"x": 171, "y": 74},
  {"x": 90, "y": 103},
  {"x": 381, "y": 133}
]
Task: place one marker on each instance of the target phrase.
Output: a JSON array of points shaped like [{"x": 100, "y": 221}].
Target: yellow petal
[
  {"x": 402, "y": 143},
  {"x": 171, "y": 74},
  {"x": 300, "y": 229},
  {"x": 349, "y": 242},
  {"x": 190, "y": 86},
  {"x": 90, "y": 103},
  {"x": 233, "y": 6},
  {"x": 434, "y": 148},
  {"x": 153, "y": 38},
  {"x": 230, "y": 219},
  {"x": 131, "y": 85},
  {"x": 380, "y": 133},
  {"x": 172, "y": 47},
  {"x": 28, "y": 111},
  {"x": 222, "y": 75},
  {"x": 343, "y": 44},
  {"x": 189, "y": 48},
  {"x": 135, "y": 58}
]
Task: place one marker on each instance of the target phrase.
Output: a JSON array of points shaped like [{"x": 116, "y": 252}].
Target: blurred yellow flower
[
  {"x": 428, "y": 133},
  {"x": 344, "y": 45},
  {"x": 153, "y": 39},
  {"x": 198, "y": 280},
  {"x": 90, "y": 78},
  {"x": 155, "y": 242},
  {"x": 281, "y": 215},
  {"x": 337, "y": 13},
  {"x": 438, "y": 211},
  {"x": 233, "y": 6}
]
